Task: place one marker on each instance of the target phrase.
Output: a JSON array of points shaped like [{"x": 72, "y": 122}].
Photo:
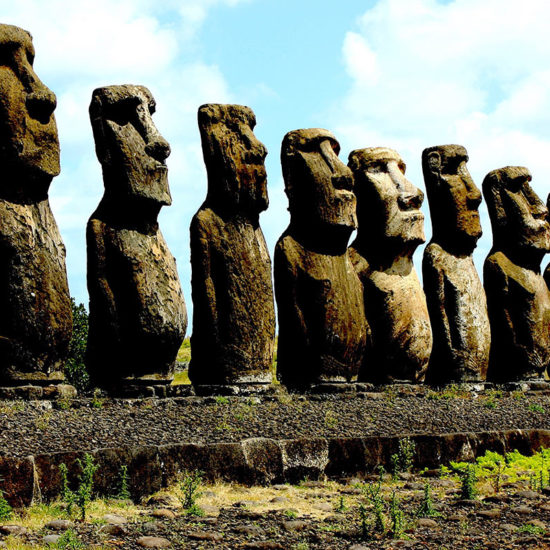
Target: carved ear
[{"x": 434, "y": 163}]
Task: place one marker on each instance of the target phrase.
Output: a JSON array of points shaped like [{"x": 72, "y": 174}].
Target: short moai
[
  {"x": 517, "y": 296},
  {"x": 323, "y": 333},
  {"x": 35, "y": 305},
  {"x": 233, "y": 309},
  {"x": 454, "y": 292},
  {"x": 138, "y": 317},
  {"x": 390, "y": 228}
]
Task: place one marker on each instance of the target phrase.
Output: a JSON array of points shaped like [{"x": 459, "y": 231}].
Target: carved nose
[
  {"x": 412, "y": 201},
  {"x": 343, "y": 182},
  {"x": 41, "y": 103},
  {"x": 158, "y": 148}
]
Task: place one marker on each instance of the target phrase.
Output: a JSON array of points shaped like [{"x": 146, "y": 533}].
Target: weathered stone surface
[
  {"x": 454, "y": 292},
  {"x": 144, "y": 470},
  {"x": 517, "y": 296},
  {"x": 35, "y": 307},
  {"x": 18, "y": 480},
  {"x": 304, "y": 458},
  {"x": 322, "y": 327},
  {"x": 233, "y": 308},
  {"x": 137, "y": 312},
  {"x": 390, "y": 228}
]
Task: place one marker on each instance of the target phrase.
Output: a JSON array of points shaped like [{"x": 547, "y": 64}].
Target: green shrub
[
  {"x": 426, "y": 508},
  {"x": 190, "y": 483},
  {"x": 402, "y": 461},
  {"x": 123, "y": 484},
  {"x": 6, "y": 511},
  {"x": 75, "y": 368},
  {"x": 83, "y": 494},
  {"x": 69, "y": 541}
]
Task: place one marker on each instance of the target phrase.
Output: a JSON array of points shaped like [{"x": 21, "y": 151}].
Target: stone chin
[
  {"x": 540, "y": 239},
  {"x": 344, "y": 205}
]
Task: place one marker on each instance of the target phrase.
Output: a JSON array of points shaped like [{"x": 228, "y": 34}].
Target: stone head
[
  {"x": 388, "y": 204},
  {"x": 453, "y": 197},
  {"x": 518, "y": 216},
  {"x": 318, "y": 184},
  {"x": 129, "y": 147},
  {"x": 234, "y": 158},
  {"x": 29, "y": 147}
]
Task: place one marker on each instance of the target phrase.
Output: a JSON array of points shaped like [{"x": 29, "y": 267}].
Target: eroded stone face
[
  {"x": 455, "y": 296},
  {"x": 390, "y": 227},
  {"x": 323, "y": 332},
  {"x": 130, "y": 148},
  {"x": 35, "y": 307},
  {"x": 388, "y": 204},
  {"x": 28, "y": 132},
  {"x": 517, "y": 296},
  {"x": 138, "y": 317},
  {"x": 454, "y": 196},
  {"x": 233, "y": 314},
  {"x": 234, "y": 158},
  {"x": 318, "y": 184}
]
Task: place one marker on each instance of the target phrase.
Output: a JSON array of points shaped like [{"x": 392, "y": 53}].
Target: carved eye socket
[
  {"x": 515, "y": 185},
  {"x": 122, "y": 112},
  {"x": 376, "y": 167},
  {"x": 152, "y": 107}
]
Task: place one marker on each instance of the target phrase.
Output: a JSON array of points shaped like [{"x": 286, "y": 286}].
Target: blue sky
[{"x": 407, "y": 74}]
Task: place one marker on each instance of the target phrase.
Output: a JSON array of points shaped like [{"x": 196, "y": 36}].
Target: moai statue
[
  {"x": 517, "y": 296},
  {"x": 391, "y": 226},
  {"x": 455, "y": 295},
  {"x": 35, "y": 305},
  {"x": 233, "y": 309},
  {"x": 137, "y": 312},
  {"x": 323, "y": 332}
]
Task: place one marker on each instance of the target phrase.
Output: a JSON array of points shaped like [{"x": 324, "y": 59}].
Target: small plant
[
  {"x": 6, "y": 511},
  {"x": 190, "y": 483},
  {"x": 426, "y": 508},
  {"x": 331, "y": 419},
  {"x": 43, "y": 421},
  {"x": 341, "y": 508},
  {"x": 195, "y": 510},
  {"x": 290, "y": 514},
  {"x": 531, "y": 529},
  {"x": 97, "y": 400},
  {"x": 66, "y": 494},
  {"x": 222, "y": 400},
  {"x": 468, "y": 479},
  {"x": 69, "y": 541},
  {"x": 535, "y": 407},
  {"x": 83, "y": 494},
  {"x": 123, "y": 484},
  {"x": 364, "y": 523},
  {"x": 402, "y": 461},
  {"x": 372, "y": 492},
  {"x": 396, "y": 517},
  {"x": 381, "y": 472},
  {"x": 301, "y": 546}
]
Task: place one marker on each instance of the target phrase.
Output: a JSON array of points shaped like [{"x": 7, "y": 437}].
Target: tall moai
[
  {"x": 35, "y": 305},
  {"x": 323, "y": 332},
  {"x": 454, "y": 292},
  {"x": 137, "y": 312},
  {"x": 390, "y": 228},
  {"x": 517, "y": 296},
  {"x": 233, "y": 309}
]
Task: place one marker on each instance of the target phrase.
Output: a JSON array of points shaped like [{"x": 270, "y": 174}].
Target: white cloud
[
  {"x": 468, "y": 72},
  {"x": 81, "y": 46}
]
